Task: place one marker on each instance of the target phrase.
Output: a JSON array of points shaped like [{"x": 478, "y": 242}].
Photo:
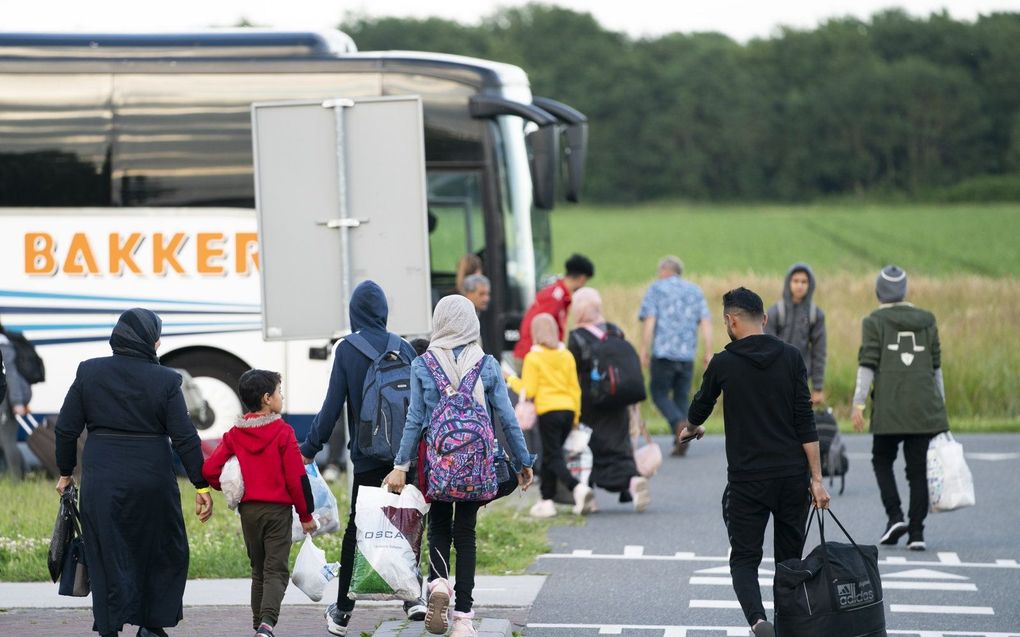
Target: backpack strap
[
  {"x": 361, "y": 344},
  {"x": 780, "y": 315},
  {"x": 467, "y": 384},
  {"x": 812, "y": 314},
  {"x": 393, "y": 344},
  {"x": 438, "y": 375}
]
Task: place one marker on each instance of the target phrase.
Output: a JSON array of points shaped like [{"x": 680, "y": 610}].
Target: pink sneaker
[
  {"x": 437, "y": 616},
  {"x": 462, "y": 625}
]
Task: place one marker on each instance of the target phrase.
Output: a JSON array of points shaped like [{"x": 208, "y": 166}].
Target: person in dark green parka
[{"x": 901, "y": 365}]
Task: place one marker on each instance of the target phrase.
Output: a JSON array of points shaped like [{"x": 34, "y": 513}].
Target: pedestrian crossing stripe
[
  {"x": 886, "y": 585},
  {"x": 923, "y": 573},
  {"x": 946, "y": 559},
  {"x": 741, "y": 631},
  {"x": 893, "y": 608}
]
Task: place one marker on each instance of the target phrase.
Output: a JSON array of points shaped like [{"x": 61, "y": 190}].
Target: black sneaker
[
  {"x": 416, "y": 610},
  {"x": 265, "y": 630},
  {"x": 916, "y": 542},
  {"x": 336, "y": 621},
  {"x": 893, "y": 532}
]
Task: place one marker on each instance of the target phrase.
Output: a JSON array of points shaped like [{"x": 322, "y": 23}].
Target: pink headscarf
[
  {"x": 545, "y": 331},
  {"x": 586, "y": 306}
]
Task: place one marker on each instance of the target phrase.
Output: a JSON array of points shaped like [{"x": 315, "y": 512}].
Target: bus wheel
[{"x": 216, "y": 374}]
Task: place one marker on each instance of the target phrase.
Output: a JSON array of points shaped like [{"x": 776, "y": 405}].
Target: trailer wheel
[{"x": 216, "y": 374}]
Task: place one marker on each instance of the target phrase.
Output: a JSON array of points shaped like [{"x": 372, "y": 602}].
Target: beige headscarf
[
  {"x": 455, "y": 323},
  {"x": 545, "y": 331},
  {"x": 586, "y": 306}
]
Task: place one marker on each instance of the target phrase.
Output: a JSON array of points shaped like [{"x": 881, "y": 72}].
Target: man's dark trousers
[
  {"x": 670, "y": 384},
  {"x": 915, "y": 453},
  {"x": 746, "y": 509}
]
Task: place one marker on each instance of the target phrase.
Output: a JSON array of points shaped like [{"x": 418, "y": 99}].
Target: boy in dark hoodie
[
  {"x": 798, "y": 321},
  {"x": 368, "y": 313},
  {"x": 771, "y": 445},
  {"x": 274, "y": 480}
]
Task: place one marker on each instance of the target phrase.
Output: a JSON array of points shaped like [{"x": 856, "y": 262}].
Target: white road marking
[
  {"x": 725, "y": 570},
  {"x": 588, "y": 554},
  {"x": 949, "y": 558},
  {"x": 611, "y": 630},
  {"x": 741, "y": 631},
  {"x": 941, "y": 610},
  {"x": 992, "y": 457},
  {"x": 633, "y": 551},
  {"x": 721, "y": 603},
  {"x": 923, "y": 573},
  {"x": 893, "y": 585}
]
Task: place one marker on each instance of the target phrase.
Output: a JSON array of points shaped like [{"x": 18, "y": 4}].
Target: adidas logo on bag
[{"x": 848, "y": 595}]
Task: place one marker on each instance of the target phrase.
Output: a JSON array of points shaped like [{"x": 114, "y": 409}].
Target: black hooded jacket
[
  {"x": 766, "y": 407},
  {"x": 368, "y": 312}
]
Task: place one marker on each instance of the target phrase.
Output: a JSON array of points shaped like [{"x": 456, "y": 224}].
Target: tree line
[{"x": 893, "y": 106}]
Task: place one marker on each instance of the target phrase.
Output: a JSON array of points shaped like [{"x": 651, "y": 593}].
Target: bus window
[
  {"x": 450, "y": 136},
  {"x": 55, "y": 136},
  {"x": 185, "y": 139},
  {"x": 458, "y": 224}
]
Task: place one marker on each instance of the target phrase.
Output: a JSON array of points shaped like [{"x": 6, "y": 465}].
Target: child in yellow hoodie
[{"x": 549, "y": 378}]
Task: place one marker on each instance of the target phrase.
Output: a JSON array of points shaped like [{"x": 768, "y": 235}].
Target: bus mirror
[
  {"x": 576, "y": 150},
  {"x": 543, "y": 146},
  {"x": 544, "y": 151}
]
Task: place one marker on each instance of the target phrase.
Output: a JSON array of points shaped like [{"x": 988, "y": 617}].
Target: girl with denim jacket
[{"x": 454, "y": 345}]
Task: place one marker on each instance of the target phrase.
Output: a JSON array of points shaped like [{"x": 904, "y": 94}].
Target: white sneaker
[
  {"x": 543, "y": 509},
  {"x": 462, "y": 625},
  {"x": 583, "y": 497},
  {"x": 639, "y": 491}
]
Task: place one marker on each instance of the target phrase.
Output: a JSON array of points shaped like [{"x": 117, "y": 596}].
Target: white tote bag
[
  {"x": 232, "y": 482},
  {"x": 390, "y": 526},
  {"x": 950, "y": 484}
]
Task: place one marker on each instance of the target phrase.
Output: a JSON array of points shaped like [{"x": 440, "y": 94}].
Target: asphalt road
[{"x": 664, "y": 572}]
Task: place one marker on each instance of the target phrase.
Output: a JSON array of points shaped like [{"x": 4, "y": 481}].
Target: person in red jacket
[
  {"x": 274, "y": 481},
  {"x": 555, "y": 299}
]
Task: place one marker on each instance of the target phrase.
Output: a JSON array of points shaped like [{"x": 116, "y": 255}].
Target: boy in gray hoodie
[{"x": 798, "y": 321}]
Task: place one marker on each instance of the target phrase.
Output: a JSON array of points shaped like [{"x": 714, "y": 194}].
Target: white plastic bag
[
  {"x": 311, "y": 572},
  {"x": 950, "y": 484},
  {"x": 232, "y": 482},
  {"x": 390, "y": 527},
  {"x": 326, "y": 513},
  {"x": 577, "y": 440}
]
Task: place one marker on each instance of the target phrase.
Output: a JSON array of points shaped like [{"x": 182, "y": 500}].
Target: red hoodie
[
  {"x": 553, "y": 299},
  {"x": 271, "y": 465}
]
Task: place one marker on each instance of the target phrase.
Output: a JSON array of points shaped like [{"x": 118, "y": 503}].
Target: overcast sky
[{"x": 741, "y": 19}]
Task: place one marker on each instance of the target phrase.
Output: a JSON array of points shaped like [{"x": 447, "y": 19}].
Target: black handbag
[
  {"x": 63, "y": 532},
  {"x": 74, "y": 574},
  {"x": 835, "y": 591}
]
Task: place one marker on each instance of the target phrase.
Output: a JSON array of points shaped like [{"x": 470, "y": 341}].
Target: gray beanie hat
[{"x": 891, "y": 284}]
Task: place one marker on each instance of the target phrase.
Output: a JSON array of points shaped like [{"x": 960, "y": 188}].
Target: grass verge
[{"x": 508, "y": 539}]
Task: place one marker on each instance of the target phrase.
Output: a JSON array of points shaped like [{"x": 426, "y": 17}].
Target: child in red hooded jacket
[{"x": 274, "y": 481}]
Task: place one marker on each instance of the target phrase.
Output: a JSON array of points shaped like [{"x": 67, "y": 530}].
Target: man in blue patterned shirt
[{"x": 673, "y": 312}]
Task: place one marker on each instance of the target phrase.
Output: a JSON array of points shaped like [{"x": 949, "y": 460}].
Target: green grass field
[
  {"x": 937, "y": 241},
  {"x": 508, "y": 539},
  {"x": 963, "y": 263}
]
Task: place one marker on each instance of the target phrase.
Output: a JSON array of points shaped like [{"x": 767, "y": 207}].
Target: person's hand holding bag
[
  {"x": 525, "y": 478},
  {"x": 394, "y": 481}
]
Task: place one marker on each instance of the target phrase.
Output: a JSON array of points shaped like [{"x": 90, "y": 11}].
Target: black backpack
[
  {"x": 835, "y": 591},
  {"x": 26, "y": 360},
  {"x": 831, "y": 448},
  {"x": 616, "y": 379}
]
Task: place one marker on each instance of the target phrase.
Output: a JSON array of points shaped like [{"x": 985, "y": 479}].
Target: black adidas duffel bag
[{"x": 835, "y": 591}]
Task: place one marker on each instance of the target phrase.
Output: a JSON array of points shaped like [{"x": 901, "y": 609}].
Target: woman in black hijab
[{"x": 136, "y": 548}]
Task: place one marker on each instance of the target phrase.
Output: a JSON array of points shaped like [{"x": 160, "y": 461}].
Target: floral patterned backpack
[{"x": 460, "y": 444}]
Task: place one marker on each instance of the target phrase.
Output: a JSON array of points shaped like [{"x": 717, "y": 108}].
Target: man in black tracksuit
[{"x": 771, "y": 445}]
